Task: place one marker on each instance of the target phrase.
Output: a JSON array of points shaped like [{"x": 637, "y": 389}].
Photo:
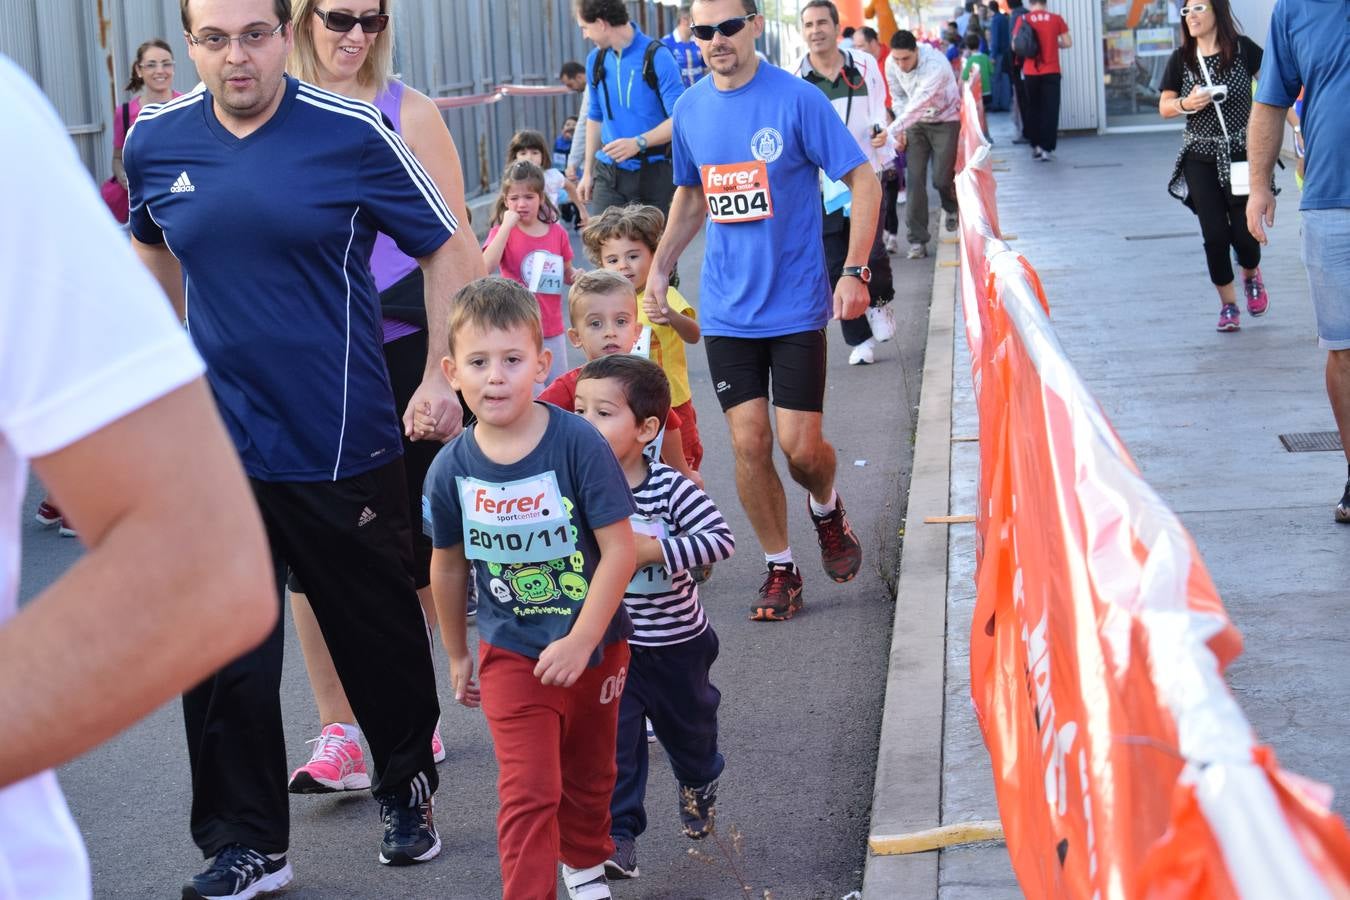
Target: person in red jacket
[{"x": 1041, "y": 74}]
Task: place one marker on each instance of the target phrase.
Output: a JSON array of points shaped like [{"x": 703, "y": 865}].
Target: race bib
[
  {"x": 543, "y": 272},
  {"x": 517, "y": 522},
  {"x": 738, "y": 192},
  {"x": 650, "y": 580}
]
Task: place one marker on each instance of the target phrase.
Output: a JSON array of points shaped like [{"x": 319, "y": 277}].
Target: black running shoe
[
  {"x": 409, "y": 834},
  {"x": 622, "y": 863},
  {"x": 238, "y": 873},
  {"x": 698, "y": 810},
  {"x": 1343, "y": 508}
]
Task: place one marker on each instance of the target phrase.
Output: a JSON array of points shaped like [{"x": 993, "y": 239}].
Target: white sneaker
[
  {"x": 917, "y": 251},
  {"x": 862, "y": 354},
  {"x": 586, "y": 884},
  {"x": 890, "y": 242},
  {"x": 882, "y": 320}
]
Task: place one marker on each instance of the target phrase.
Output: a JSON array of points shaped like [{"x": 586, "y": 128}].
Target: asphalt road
[{"x": 799, "y": 724}]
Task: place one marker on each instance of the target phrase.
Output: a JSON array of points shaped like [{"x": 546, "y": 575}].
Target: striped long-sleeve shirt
[{"x": 663, "y": 601}]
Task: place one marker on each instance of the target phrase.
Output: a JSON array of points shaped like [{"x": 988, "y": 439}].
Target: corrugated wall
[
  {"x": 79, "y": 51},
  {"x": 1081, "y": 86}
]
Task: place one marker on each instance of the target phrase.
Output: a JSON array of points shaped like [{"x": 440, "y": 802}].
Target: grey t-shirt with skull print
[{"x": 528, "y": 529}]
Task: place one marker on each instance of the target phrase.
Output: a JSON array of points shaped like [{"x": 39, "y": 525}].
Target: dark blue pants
[{"x": 670, "y": 686}]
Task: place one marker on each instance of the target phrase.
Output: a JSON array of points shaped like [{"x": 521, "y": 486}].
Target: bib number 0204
[{"x": 739, "y": 206}]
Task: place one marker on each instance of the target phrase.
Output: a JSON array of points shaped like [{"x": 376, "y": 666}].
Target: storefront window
[{"x": 1138, "y": 37}]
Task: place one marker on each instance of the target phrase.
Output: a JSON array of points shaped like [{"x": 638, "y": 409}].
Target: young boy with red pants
[{"x": 531, "y": 501}]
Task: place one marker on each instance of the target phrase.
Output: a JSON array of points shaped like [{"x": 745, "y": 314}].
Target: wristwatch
[
  {"x": 862, "y": 273},
  {"x": 641, "y": 143}
]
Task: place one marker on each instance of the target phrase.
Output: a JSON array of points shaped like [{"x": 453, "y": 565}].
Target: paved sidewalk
[{"x": 1201, "y": 412}]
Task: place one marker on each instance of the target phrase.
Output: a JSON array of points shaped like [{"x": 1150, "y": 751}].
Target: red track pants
[{"x": 555, "y": 760}]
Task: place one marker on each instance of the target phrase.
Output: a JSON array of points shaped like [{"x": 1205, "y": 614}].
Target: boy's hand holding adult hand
[
  {"x": 658, "y": 283},
  {"x": 433, "y": 413},
  {"x": 656, "y": 308},
  {"x": 462, "y": 682},
  {"x": 563, "y": 661}
]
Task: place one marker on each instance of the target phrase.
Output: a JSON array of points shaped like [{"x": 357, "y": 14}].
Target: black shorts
[{"x": 742, "y": 368}]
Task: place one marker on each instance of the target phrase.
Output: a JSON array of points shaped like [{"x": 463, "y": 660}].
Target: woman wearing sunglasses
[
  {"x": 348, "y": 48},
  {"x": 1209, "y": 81}
]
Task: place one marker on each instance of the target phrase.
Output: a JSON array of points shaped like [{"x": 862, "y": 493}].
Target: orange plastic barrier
[{"x": 1124, "y": 767}]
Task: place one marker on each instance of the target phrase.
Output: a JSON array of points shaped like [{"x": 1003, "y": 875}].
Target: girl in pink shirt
[{"x": 527, "y": 245}]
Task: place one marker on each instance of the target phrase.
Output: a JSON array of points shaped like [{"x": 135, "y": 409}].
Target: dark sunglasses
[
  {"x": 726, "y": 28},
  {"x": 344, "y": 22}
]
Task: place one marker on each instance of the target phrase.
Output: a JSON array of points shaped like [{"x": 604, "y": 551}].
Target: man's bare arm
[
  {"x": 1265, "y": 128},
  {"x": 177, "y": 583},
  {"x": 866, "y": 190},
  {"x": 454, "y": 264},
  {"x": 167, "y": 271}
]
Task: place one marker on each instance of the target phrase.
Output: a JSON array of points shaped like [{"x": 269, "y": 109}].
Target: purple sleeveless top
[{"x": 388, "y": 263}]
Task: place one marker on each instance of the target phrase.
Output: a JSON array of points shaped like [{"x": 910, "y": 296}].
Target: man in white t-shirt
[{"x": 102, "y": 392}]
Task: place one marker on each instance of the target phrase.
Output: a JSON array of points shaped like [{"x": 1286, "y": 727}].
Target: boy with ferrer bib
[
  {"x": 531, "y": 504},
  {"x": 677, "y": 529}
]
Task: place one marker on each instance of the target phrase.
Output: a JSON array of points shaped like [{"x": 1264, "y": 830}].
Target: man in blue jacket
[{"x": 634, "y": 83}]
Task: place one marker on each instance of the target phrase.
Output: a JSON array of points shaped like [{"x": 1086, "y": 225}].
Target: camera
[{"x": 1218, "y": 93}]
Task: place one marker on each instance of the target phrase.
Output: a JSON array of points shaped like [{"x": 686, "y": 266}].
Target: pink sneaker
[
  {"x": 1255, "y": 289},
  {"x": 336, "y": 765},
  {"x": 437, "y": 748}
]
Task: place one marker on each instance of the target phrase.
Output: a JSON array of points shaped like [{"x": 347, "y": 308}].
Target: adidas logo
[
  {"x": 367, "y": 515},
  {"x": 182, "y": 185}
]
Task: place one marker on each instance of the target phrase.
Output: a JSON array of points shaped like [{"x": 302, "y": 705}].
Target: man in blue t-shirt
[
  {"x": 682, "y": 45},
  {"x": 255, "y": 202},
  {"x": 634, "y": 84},
  {"x": 750, "y": 144},
  {"x": 1307, "y": 49}
]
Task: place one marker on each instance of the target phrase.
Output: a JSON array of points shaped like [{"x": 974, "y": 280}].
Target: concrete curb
[{"x": 908, "y": 791}]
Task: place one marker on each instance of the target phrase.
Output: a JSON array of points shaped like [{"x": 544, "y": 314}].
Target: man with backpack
[
  {"x": 1037, "y": 39},
  {"x": 634, "y": 82}
]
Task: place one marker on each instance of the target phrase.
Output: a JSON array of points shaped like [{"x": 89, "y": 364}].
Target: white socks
[
  {"x": 782, "y": 559},
  {"x": 824, "y": 510}
]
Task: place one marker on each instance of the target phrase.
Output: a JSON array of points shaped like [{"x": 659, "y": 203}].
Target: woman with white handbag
[{"x": 1209, "y": 81}]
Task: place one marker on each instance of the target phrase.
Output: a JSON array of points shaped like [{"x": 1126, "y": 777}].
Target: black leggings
[{"x": 1223, "y": 221}]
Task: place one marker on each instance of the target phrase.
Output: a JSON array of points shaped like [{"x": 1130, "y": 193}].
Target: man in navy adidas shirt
[{"x": 255, "y": 201}]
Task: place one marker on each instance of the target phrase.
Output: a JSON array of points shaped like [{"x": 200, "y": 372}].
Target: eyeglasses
[
  {"x": 214, "y": 43},
  {"x": 726, "y": 28},
  {"x": 344, "y": 22},
  {"x": 1194, "y": 8}
]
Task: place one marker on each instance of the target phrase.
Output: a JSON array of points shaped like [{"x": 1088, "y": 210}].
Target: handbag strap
[{"x": 1218, "y": 108}]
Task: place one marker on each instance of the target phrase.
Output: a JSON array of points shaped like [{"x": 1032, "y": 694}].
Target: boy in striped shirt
[{"x": 677, "y": 528}]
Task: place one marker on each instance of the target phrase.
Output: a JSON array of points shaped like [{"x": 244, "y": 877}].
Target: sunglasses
[
  {"x": 344, "y": 22},
  {"x": 1194, "y": 8},
  {"x": 726, "y": 28}
]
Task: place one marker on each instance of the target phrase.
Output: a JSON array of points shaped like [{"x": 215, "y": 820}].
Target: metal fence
[{"x": 80, "y": 51}]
